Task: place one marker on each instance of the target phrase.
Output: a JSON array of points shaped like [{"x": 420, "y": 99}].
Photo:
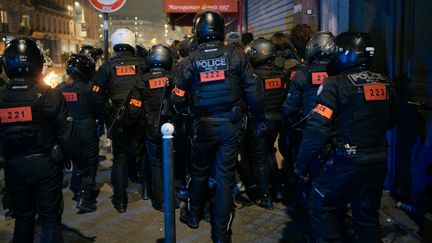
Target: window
[
  {"x": 3, "y": 17},
  {"x": 25, "y": 21}
]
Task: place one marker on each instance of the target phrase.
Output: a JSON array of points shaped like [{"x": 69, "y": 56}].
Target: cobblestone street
[{"x": 141, "y": 223}]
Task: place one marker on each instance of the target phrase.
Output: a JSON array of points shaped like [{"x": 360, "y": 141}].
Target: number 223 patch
[
  {"x": 273, "y": 83},
  {"x": 375, "y": 92},
  {"x": 16, "y": 114},
  {"x": 70, "y": 96}
]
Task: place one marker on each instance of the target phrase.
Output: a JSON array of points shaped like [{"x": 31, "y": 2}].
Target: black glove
[{"x": 261, "y": 130}]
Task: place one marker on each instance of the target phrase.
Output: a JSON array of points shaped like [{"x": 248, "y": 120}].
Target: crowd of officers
[{"x": 313, "y": 94}]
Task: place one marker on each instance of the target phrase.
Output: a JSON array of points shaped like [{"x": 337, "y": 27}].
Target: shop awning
[{"x": 181, "y": 12}]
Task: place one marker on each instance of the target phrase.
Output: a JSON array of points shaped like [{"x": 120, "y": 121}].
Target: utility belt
[
  {"x": 360, "y": 154},
  {"x": 234, "y": 115},
  {"x": 55, "y": 153}
]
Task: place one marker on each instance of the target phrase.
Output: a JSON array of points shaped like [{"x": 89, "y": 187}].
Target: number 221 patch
[
  {"x": 16, "y": 114},
  {"x": 375, "y": 92}
]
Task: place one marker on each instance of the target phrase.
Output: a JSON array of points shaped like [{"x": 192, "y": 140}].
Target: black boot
[
  {"x": 206, "y": 216},
  {"x": 85, "y": 203},
  {"x": 157, "y": 205},
  {"x": 120, "y": 202},
  {"x": 265, "y": 201},
  {"x": 189, "y": 218}
]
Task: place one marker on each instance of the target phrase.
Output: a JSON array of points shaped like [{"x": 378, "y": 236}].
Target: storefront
[{"x": 181, "y": 12}]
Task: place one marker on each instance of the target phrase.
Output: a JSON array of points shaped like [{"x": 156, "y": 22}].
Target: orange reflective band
[
  {"x": 375, "y": 92},
  {"x": 292, "y": 75},
  {"x": 273, "y": 83},
  {"x": 157, "y": 82},
  {"x": 323, "y": 111},
  {"x": 135, "y": 102},
  {"x": 95, "y": 88},
  {"x": 318, "y": 77},
  {"x": 126, "y": 70},
  {"x": 179, "y": 92},
  {"x": 16, "y": 114},
  {"x": 70, "y": 96}
]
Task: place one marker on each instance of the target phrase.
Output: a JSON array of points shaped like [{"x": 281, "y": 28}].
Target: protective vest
[
  {"x": 273, "y": 82},
  {"x": 315, "y": 75},
  {"x": 153, "y": 89},
  {"x": 125, "y": 73},
  {"x": 216, "y": 88},
  {"x": 24, "y": 128},
  {"x": 364, "y": 114},
  {"x": 77, "y": 96}
]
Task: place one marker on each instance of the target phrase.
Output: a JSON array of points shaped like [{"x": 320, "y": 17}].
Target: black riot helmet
[
  {"x": 260, "y": 51},
  {"x": 92, "y": 51},
  {"x": 352, "y": 50},
  {"x": 81, "y": 65},
  {"x": 160, "y": 56},
  {"x": 141, "y": 51},
  {"x": 208, "y": 26},
  {"x": 23, "y": 59},
  {"x": 319, "y": 47},
  {"x": 183, "y": 48}
]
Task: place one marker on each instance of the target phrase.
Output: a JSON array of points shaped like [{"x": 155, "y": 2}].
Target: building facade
[{"x": 60, "y": 26}]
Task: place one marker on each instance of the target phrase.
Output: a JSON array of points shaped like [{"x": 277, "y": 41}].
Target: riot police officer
[
  {"x": 77, "y": 91},
  {"x": 260, "y": 151},
  {"x": 35, "y": 125},
  {"x": 113, "y": 82},
  {"x": 152, "y": 87},
  {"x": 302, "y": 94},
  {"x": 93, "y": 52},
  {"x": 141, "y": 51},
  {"x": 182, "y": 124},
  {"x": 355, "y": 107},
  {"x": 214, "y": 81}
]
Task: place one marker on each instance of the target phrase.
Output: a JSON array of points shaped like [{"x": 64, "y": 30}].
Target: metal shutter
[{"x": 266, "y": 17}]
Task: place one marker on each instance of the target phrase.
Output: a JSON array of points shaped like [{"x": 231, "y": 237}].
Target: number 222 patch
[
  {"x": 16, "y": 114},
  {"x": 212, "y": 76}
]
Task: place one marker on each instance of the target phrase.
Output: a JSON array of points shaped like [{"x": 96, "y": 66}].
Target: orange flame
[{"x": 49, "y": 79}]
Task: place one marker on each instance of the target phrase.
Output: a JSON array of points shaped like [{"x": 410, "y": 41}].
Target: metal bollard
[{"x": 167, "y": 130}]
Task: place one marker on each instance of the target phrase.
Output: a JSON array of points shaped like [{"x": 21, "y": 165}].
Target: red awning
[{"x": 194, "y": 6}]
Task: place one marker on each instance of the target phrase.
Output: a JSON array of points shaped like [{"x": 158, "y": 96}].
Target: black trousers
[
  {"x": 35, "y": 187},
  {"x": 254, "y": 167},
  {"x": 216, "y": 141},
  {"x": 89, "y": 138},
  {"x": 119, "y": 172},
  {"x": 153, "y": 144},
  {"x": 182, "y": 150},
  {"x": 343, "y": 183}
]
